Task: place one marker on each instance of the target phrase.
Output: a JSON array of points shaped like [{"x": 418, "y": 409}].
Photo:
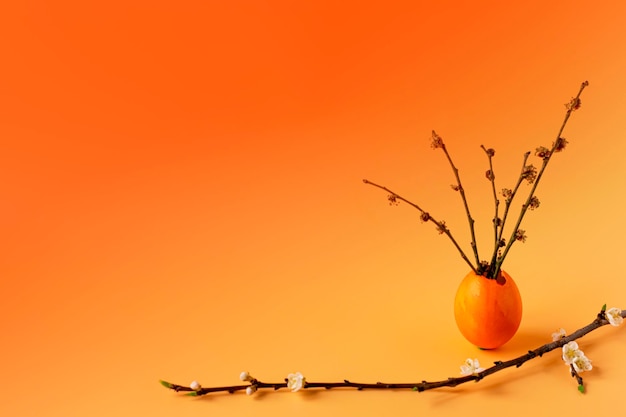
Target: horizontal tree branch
[{"x": 598, "y": 322}]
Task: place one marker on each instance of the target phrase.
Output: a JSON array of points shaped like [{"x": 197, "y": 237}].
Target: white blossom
[
  {"x": 470, "y": 367},
  {"x": 245, "y": 376},
  {"x": 195, "y": 385},
  {"x": 570, "y": 351},
  {"x": 614, "y": 316},
  {"x": 581, "y": 363},
  {"x": 295, "y": 382},
  {"x": 251, "y": 389},
  {"x": 558, "y": 335}
]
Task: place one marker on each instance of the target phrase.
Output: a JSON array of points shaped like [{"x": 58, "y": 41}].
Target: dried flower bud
[
  {"x": 542, "y": 152},
  {"x": 437, "y": 142},
  {"x": 455, "y": 187},
  {"x": 497, "y": 221},
  {"x": 520, "y": 235},
  {"x": 441, "y": 227},
  {"x": 507, "y": 193},
  {"x": 392, "y": 200},
  {"x": 490, "y": 175},
  {"x": 560, "y": 144},
  {"x": 491, "y": 152},
  {"x": 573, "y": 104},
  {"x": 424, "y": 217},
  {"x": 502, "y": 243},
  {"x": 529, "y": 173},
  {"x": 534, "y": 203}
]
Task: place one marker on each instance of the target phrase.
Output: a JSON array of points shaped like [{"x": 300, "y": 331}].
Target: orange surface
[{"x": 181, "y": 198}]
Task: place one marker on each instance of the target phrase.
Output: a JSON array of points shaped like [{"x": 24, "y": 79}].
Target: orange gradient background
[{"x": 181, "y": 198}]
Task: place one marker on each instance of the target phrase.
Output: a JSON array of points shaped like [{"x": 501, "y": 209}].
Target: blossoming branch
[
  {"x": 528, "y": 173},
  {"x": 471, "y": 370}
]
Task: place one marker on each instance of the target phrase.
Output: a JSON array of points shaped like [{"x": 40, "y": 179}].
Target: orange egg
[{"x": 488, "y": 312}]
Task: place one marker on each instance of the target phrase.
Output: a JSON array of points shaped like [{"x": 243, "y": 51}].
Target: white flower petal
[
  {"x": 245, "y": 376},
  {"x": 194, "y": 385},
  {"x": 295, "y": 382},
  {"x": 558, "y": 335},
  {"x": 614, "y": 316},
  {"x": 570, "y": 351},
  {"x": 581, "y": 363},
  {"x": 470, "y": 367}
]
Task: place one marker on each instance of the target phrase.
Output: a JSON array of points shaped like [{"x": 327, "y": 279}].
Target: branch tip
[{"x": 166, "y": 384}]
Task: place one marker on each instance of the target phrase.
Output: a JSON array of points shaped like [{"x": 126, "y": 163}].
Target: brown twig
[
  {"x": 441, "y": 226},
  {"x": 507, "y": 205},
  {"x": 599, "y": 321},
  {"x": 491, "y": 176},
  {"x": 574, "y": 105},
  {"x": 461, "y": 190}
]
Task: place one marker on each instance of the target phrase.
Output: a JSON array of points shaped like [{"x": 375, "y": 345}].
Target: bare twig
[
  {"x": 441, "y": 226},
  {"x": 491, "y": 176},
  {"x": 507, "y": 205},
  {"x": 470, "y": 219},
  {"x": 558, "y": 142}
]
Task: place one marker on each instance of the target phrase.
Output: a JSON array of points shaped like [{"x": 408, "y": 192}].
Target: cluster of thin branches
[{"x": 528, "y": 173}]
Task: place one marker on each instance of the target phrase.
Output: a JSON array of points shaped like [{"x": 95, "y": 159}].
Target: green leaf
[
  {"x": 581, "y": 388},
  {"x": 192, "y": 394},
  {"x": 166, "y": 384},
  {"x": 414, "y": 388},
  {"x": 603, "y": 308}
]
